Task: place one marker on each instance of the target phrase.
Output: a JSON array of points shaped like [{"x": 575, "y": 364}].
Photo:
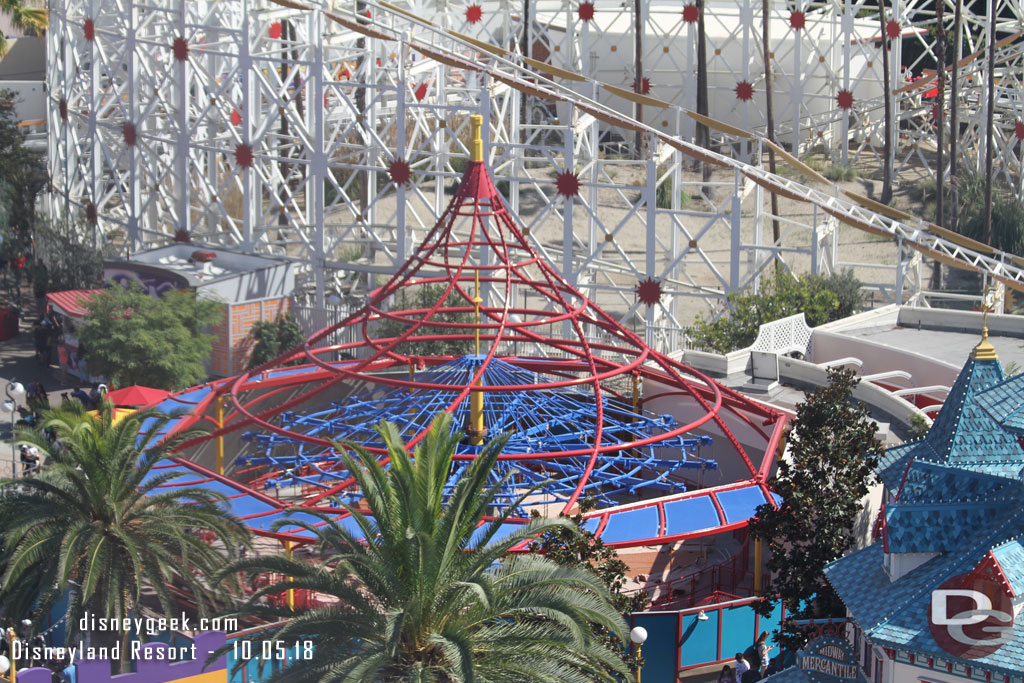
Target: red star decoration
[
  {"x": 91, "y": 214},
  {"x": 62, "y": 109},
  {"x": 744, "y": 91},
  {"x": 275, "y": 30},
  {"x": 399, "y": 171},
  {"x": 691, "y": 14},
  {"x": 568, "y": 184},
  {"x": 585, "y": 11},
  {"x": 181, "y": 235},
  {"x": 89, "y": 30},
  {"x": 1018, "y": 130},
  {"x": 797, "y": 19},
  {"x": 649, "y": 291},
  {"x": 128, "y": 130},
  {"x": 893, "y": 30},
  {"x": 845, "y": 99},
  {"x": 645, "y": 88},
  {"x": 421, "y": 91},
  {"x": 236, "y": 118},
  {"x": 243, "y": 155},
  {"x": 180, "y": 49},
  {"x": 474, "y": 13}
]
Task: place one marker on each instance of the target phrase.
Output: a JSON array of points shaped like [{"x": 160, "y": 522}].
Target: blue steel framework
[{"x": 535, "y": 421}]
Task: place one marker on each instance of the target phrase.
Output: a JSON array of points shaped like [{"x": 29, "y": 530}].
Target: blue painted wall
[
  {"x": 676, "y": 641},
  {"x": 661, "y": 638}
]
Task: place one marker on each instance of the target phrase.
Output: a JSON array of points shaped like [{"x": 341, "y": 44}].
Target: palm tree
[
  {"x": 421, "y": 599},
  {"x": 95, "y": 524},
  {"x": 24, "y": 17}
]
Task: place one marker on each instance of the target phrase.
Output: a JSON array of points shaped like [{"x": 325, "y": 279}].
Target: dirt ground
[{"x": 693, "y": 244}]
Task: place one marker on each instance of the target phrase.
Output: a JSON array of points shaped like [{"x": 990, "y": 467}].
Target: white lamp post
[
  {"x": 14, "y": 390},
  {"x": 638, "y": 635}
]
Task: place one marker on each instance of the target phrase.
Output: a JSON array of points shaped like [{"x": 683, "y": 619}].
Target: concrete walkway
[{"x": 18, "y": 363}]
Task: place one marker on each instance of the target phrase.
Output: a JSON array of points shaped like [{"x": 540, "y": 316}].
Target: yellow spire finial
[
  {"x": 984, "y": 350},
  {"x": 476, "y": 145}
]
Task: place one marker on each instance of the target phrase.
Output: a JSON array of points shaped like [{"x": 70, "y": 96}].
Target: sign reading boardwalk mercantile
[
  {"x": 829, "y": 660},
  {"x": 824, "y": 660}
]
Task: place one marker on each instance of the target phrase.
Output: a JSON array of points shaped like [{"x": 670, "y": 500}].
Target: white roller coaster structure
[{"x": 289, "y": 127}]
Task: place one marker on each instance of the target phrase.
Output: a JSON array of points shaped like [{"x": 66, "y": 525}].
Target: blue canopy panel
[
  {"x": 537, "y": 420},
  {"x": 625, "y": 525},
  {"x": 694, "y": 514},
  {"x": 690, "y": 514},
  {"x": 502, "y": 533},
  {"x": 179, "y": 404},
  {"x": 740, "y": 503},
  {"x": 239, "y": 500}
]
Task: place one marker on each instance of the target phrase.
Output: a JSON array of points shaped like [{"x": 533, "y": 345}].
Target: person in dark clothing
[
  {"x": 82, "y": 396},
  {"x": 40, "y": 338}
]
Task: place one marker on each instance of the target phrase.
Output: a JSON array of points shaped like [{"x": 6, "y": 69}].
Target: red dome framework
[{"x": 469, "y": 288}]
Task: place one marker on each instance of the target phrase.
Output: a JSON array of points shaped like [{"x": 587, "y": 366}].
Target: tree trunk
[
  {"x": 770, "y": 119},
  {"x": 990, "y": 120},
  {"x": 524, "y": 49},
  {"x": 940, "y": 104},
  {"x": 360, "y": 102},
  {"x": 887, "y": 103},
  {"x": 954, "y": 126},
  {"x": 638, "y": 67},
  {"x": 702, "y": 132},
  {"x": 940, "y": 67}
]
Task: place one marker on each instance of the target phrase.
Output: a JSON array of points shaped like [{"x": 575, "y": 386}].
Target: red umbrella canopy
[{"x": 136, "y": 395}]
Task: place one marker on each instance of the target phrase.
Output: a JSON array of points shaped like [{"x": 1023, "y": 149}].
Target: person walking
[
  {"x": 763, "y": 652},
  {"x": 65, "y": 359},
  {"x": 726, "y": 676},
  {"x": 740, "y": 667}
]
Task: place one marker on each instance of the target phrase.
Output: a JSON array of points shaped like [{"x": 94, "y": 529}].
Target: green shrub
[
  {"x": 846, "y": 287},
  {"x": 919, "y": 427},
  {"x": 834, "y": 172},
  {"x": 821, "y": 298},
  {"x": 663, "y": 195},
  {"x": 274, "y": 337},
  {"x": 425, "y": 297}
]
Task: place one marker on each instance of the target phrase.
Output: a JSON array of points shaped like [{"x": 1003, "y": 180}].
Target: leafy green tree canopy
[
  {"x": 66, "y": 258},
  {"x": 274, "y": 337},
  {"x": 428, "y": 597},
  {"x": 822, "y": 299},
  {"x": 22, "y": 176},
  {"x": 832, "y": 454},
  {"x": 134, "y": 338}
]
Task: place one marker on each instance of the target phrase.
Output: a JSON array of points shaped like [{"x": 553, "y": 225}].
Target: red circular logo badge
[{"x": 971, "y": 616}]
